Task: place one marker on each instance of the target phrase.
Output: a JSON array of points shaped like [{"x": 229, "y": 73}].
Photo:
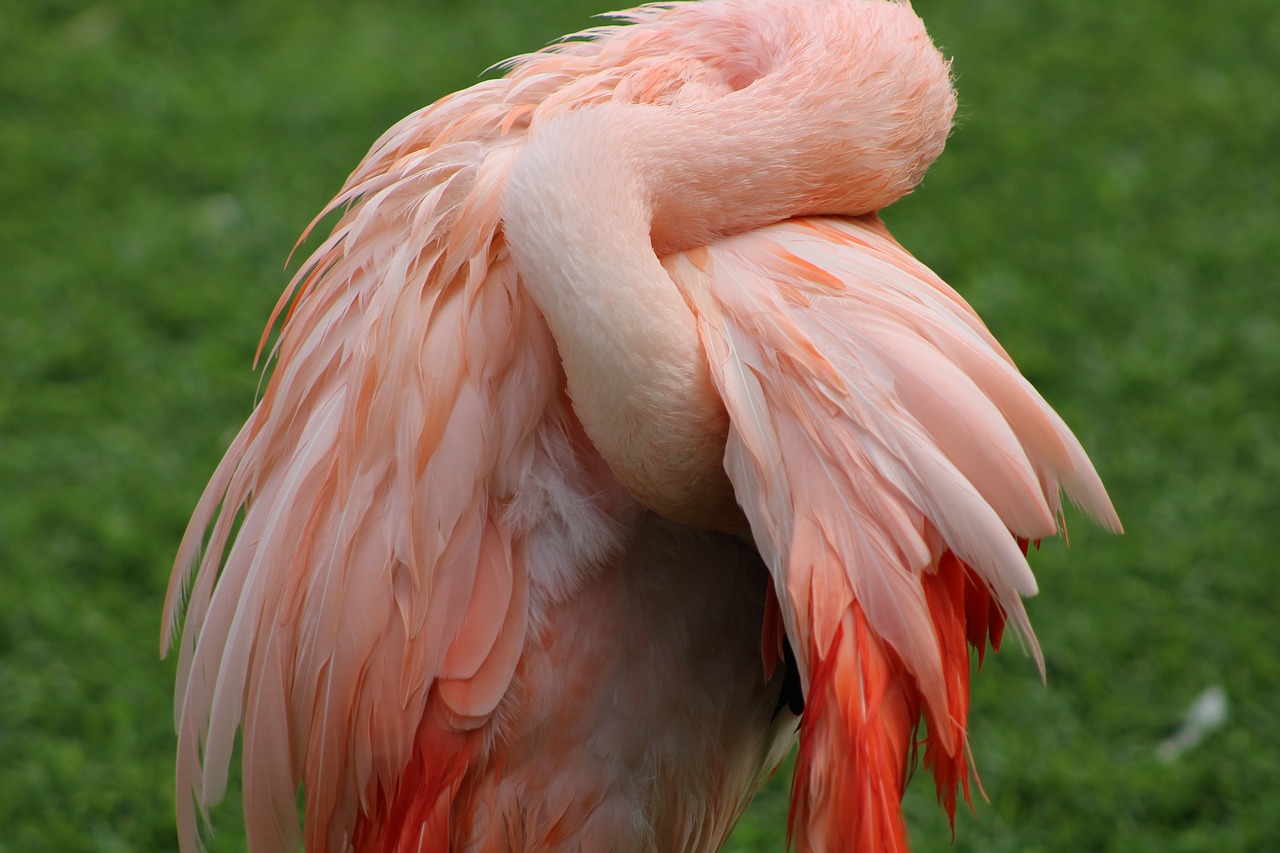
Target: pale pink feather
[{"x": 855, "y": 429}]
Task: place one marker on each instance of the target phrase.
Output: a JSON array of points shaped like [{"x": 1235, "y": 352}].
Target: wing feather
[
  {"x": 890, "y": 459},
  {"x": 877, "y": 387},
  {"x": 354, "y": 553}
]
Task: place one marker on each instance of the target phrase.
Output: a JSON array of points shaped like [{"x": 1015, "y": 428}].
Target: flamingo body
[{"x": 609, "y": 420}]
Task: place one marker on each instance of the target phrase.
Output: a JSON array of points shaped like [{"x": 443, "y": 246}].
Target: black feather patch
[{"x": 792, "y": 693}]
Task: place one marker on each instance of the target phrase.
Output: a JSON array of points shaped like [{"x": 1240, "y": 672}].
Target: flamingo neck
[
  {"x": 840, "y": 115},
  {"x": 577, "y": 219}
]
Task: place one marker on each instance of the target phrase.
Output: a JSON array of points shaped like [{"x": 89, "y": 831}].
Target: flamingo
[{"x": 612, "y": 444}]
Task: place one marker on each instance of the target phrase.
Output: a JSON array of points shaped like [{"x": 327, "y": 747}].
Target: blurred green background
[{"x": 1110, "y": 204}]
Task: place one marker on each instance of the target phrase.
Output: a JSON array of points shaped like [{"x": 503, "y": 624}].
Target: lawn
[{"x": 1110, "y": 203}]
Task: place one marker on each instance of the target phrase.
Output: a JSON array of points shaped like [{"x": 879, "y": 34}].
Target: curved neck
[
  {"x": 577, "y": 224},
  {"x": 842, "y": 118}
]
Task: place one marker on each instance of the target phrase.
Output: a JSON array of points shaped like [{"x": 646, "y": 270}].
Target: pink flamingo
[{"x": 608, "y": 430}]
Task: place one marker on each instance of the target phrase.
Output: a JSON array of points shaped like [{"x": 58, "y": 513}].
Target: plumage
[{"x": 609, "y": 410}]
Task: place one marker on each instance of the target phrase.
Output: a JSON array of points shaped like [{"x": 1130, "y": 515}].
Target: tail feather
[
  {"x": 948, "y": 591},
  {"x": 857, "y": 739},
  {"x": 983, "y": 618},
  {"x": 851, "y": 769}
]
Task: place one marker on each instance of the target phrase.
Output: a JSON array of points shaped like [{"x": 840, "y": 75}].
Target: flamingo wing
[
  {"x": 360, "y": 599},
  {"x": 888, "y": 457}
]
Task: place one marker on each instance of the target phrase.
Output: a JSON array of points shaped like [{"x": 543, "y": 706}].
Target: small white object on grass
[{"x": 1207, "y": 713}]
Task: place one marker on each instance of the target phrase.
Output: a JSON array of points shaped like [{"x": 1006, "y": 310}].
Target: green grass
[{"x": 1110, "y": 204}]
